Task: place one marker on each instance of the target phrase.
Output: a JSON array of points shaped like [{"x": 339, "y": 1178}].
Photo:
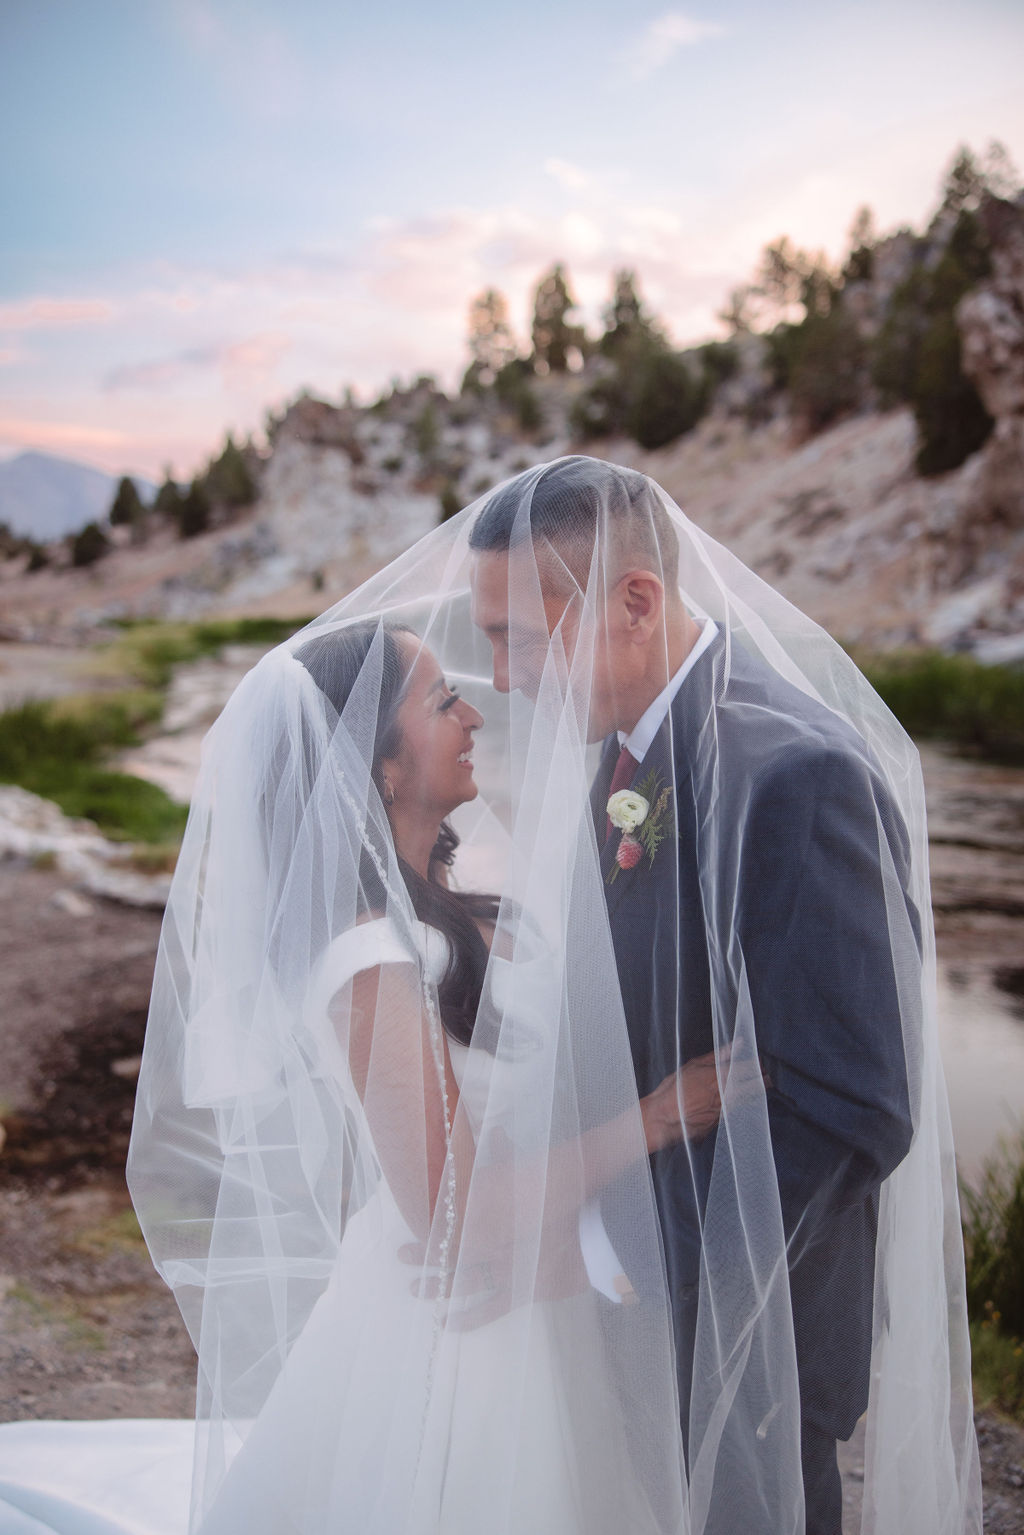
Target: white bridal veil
[{"x": 392, "y": 1140}]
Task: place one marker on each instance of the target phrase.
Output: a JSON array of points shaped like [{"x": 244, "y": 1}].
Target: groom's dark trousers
[{"x": 803, "y": 829}]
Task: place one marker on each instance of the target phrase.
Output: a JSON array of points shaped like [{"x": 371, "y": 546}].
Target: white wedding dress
[
  {"x": 346, "y": 1429},
  {"x": 495, "y": 1446}
]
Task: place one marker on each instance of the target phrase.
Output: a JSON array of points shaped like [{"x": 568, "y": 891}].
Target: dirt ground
[{"x": 87, "y": 1330}]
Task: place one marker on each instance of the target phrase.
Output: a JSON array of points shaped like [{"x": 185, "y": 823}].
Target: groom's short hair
[{"x": 572, "y": 502}]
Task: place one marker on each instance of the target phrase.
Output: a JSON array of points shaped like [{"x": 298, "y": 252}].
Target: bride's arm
[
  {"x": 381, "y": 1025},
  {"x": 687, "y": 1104}
]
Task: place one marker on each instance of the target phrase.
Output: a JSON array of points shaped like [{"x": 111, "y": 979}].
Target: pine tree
[
  {"x": 194, "y": 516},
  {"x": 168, "y": 498},
  {"x": 228, "y": 481},
  {"x": 88, "y": 546},
  {"x": 552, "y": 335},
  {"x": 126, "y": 509},
  {"x": 862, "y": 240},
  {"x": 490, "y": 336},
  {"x": 628, "y": 328}
]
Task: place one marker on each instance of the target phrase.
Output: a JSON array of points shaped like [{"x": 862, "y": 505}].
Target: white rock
[
  {"x": 32, "y": 828},
  {"x": 71, "y": 902}
]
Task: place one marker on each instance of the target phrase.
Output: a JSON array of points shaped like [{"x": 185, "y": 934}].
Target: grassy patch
[
  {"x": 60, "y": 748},
  {"x": 154, "y": 857},
  {"x": 118, "y": 1233},
  {"x": 977, "y": 708},
  {"x": 150, "y": 650},
  {"x": 47, "y": 1312},
  {"x": 997, "y": 1367},
  {"x": 57, "y": 748},
  {"x": 994, "y": 1251}
]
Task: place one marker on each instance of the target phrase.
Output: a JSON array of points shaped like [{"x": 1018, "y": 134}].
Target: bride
[
  {"x": 445, "y": 1378},
  {"x": 390, "y": 1150}
]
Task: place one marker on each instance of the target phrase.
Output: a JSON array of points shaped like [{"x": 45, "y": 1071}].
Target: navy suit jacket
[{"x": 798, "y": 804}]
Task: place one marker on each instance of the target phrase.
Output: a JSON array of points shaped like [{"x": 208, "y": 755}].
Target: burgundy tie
[{"x": 621, "y": 779}]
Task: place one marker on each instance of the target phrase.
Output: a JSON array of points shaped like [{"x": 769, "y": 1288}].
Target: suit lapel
[{"x": 599, "y": 788}]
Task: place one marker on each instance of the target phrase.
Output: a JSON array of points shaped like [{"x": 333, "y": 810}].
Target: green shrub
[
  {"x": 668, "y": 400},
  {"x": 600, "y": 410},
  {"x": 719, "y": 361},
  {"x": 511, "y": 379},
  {"x": 529, "y": 416},
  {"x": 979, "y": 708}
]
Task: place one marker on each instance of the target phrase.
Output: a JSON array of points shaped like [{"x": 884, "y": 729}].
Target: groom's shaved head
[{"x": 568, "y": 506}]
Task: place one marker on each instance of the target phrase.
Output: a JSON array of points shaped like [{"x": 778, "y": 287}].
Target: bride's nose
[{"x": 471, "y": 718}]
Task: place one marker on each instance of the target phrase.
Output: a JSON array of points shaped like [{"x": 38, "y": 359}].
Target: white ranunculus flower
[{"x": 627, "y": 810}]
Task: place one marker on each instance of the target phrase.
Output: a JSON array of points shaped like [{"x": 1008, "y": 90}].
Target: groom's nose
[{"x": 500, "y": 668}]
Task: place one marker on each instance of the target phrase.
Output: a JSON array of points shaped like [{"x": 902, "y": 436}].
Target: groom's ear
[{"x": 640, "y": 598}]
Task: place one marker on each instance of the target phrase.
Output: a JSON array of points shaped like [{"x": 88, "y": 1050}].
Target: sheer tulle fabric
[{"x": 438, "y": 1286}]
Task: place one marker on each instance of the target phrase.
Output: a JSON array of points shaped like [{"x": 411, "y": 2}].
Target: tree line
[
  {"x": 832, "y": 338},
  {"x": 216, "y": 495}
]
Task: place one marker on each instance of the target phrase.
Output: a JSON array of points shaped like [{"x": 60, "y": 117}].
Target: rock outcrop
[{"x": 991, "y": 321}]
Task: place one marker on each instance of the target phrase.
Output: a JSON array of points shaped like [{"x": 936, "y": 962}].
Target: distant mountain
[{"x": 43, "y": 497}]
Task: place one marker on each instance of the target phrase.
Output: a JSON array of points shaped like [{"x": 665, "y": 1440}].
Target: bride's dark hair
[{"x": 334, "y": 661}]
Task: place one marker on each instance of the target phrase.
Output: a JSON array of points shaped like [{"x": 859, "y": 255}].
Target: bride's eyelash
[{"x": 452, "y": 696}]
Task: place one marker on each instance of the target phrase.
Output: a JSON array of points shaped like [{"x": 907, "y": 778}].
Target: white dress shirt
[{"x": 641, "y": 737}]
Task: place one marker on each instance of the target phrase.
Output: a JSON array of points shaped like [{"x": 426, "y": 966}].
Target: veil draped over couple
[{"x": 541, "y": 1122}]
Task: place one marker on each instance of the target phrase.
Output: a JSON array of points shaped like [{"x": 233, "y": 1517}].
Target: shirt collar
[{"x": 640, "y": 738}]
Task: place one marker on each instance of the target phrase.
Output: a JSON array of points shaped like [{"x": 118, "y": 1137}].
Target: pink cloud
[
  {"x": 252, "y": 360},
  {"x": 59, "y": 436},
  {"x": 55, "y": 313}
]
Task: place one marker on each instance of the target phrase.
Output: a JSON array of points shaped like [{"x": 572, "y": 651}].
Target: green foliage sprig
[{"x": 660, "y": 821}]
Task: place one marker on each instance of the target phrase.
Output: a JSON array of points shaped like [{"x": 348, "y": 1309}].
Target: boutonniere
[{"x": 644, "y": 817}]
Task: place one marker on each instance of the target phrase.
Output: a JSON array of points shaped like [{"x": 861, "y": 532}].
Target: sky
[{"x": 209, "y": 205}]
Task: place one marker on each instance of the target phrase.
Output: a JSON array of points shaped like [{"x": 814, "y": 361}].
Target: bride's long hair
[{"x": 334, "y": 661}]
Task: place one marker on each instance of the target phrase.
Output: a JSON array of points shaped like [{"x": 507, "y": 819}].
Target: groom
[{"x": 797, "y": 877}]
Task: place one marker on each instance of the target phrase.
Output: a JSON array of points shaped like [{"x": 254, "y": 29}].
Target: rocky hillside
[{"x": 840, "y": 518}]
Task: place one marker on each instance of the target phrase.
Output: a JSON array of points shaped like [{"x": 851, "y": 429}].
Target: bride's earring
[{"x": 389, "y": 792}]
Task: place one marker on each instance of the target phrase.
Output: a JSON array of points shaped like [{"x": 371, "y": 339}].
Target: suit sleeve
[{"x": 830, "y": 944}]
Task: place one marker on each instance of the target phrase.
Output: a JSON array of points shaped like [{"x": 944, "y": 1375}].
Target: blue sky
[{"x": 206, "y": 205}]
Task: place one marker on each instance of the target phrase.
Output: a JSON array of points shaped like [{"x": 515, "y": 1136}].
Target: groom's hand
[{"x": 688, "y": 1103}]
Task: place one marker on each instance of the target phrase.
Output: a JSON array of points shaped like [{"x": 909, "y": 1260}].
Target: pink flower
[{"x": 629, "y": 854}]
